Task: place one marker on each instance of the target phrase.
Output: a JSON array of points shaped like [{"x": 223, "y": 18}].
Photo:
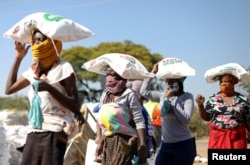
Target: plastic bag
[
  {"x": 53, "y": 26},
  {"x": 35, "y": 113},
  {"x": 125, "y": 65},
  {"x": 212, "y": 75},
  {"x": 174, "y": 68}
]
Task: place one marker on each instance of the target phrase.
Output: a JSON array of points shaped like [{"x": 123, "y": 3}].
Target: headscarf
[
  {"x": 136, "y": 86},
  {"x": 182, "y": 79},
  {"x": 129, "y": 84},
  {"x": 45, "y": 53},
  {"x": 176, "y": 86}
]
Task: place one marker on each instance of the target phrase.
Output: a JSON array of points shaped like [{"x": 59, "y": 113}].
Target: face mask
[
  {"x": 174, "y": 87},
  {"x": 226, "y": 89}
]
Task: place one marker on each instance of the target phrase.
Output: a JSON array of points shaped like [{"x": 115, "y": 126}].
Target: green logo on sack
[
  {"x": 52, "y": 17},
  {"x": 171, "y": 61},
  {"x": 228, "y": 68}
]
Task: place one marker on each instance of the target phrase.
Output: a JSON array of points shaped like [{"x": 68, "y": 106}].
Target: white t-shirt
[{"x": 55, "y": 116}]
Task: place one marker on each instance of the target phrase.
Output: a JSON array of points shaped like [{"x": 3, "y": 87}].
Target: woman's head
[
  {"x": 37, "y": 37},
  {"x": 227, "y": 82},
  {"x": 114, "y": 82},
  {"x": 176, "y": 85},
  {"x": 45, "y": 50}
]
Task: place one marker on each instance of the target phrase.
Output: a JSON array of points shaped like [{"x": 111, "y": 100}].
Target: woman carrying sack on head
[
  {"x": 177, "y": 106},
  {"x": 53, "y": 98},
  {"x": 121, "y": 135},
  {"x": 227, "y": 111}
]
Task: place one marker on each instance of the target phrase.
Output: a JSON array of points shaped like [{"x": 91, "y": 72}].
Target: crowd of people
[
  {"x": 53, "y": 96},
  {"x": 170, "y": 111},
  {"x": 134, "y": 121}
]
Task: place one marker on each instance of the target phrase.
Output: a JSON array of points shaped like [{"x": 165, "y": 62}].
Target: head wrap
[
  {"x": 46, "y": 53},
  {"x": 135, "y": 85},
  {"x": 182, "y": 79},
  {"x": 129, "y": 84}
]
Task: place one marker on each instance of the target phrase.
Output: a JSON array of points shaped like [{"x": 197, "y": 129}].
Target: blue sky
[{"x": 204, "y": 33}]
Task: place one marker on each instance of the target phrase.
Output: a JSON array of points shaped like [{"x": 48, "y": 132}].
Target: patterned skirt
[{"x": 116, "y": 150}]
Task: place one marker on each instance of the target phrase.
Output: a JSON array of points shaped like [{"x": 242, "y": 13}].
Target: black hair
[{"x": 181, "y": 86}]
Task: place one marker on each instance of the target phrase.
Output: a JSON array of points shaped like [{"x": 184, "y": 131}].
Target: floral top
[{"x": 228, "y": 116}]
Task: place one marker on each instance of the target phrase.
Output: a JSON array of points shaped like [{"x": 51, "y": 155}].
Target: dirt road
[{"x": 201, "y": 147}]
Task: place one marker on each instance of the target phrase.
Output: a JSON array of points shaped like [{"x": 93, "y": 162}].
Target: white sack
[
  {"x": 174, "y": 68},
  {"x": 125, "y": 65},
  {"x": 53, "y": 26},
  {"x": 235, "y": 69},
  {"x": 90, "y": 153}
]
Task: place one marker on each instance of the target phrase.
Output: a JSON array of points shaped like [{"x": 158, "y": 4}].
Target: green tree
[{"x": 199, "y": 128}]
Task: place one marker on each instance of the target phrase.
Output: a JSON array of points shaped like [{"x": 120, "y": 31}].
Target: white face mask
[{"x": 174, "y": 87}]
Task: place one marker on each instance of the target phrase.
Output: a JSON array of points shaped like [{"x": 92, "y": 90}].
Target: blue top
[{"x": 146, "y": 117}]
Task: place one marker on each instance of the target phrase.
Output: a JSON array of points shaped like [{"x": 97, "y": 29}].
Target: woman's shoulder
[
  {"x": 63, "y": 66},
  {"x": 214, "y": 95},
  {"x": 241, "y": 96},
  {"x": 64, "y": 63},
  {"x": 128, "y": 95},
  {"x": 129, "y": 91},
  {"x": 188, "y": 94}
]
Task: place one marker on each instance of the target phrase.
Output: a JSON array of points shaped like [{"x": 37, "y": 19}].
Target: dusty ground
[{"x": 201, "y": 146}]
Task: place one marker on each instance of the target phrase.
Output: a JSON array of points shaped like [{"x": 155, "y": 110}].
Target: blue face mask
[{"x": 174, "y": 87}]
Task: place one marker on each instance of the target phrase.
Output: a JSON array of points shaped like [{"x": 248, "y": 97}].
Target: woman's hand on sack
[
  {"x": 155, "y": 68},
  {"x": 20, "y": 49}
]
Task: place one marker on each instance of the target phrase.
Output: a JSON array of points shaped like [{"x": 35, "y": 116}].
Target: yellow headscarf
[{"x": 45, "y": 53}]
